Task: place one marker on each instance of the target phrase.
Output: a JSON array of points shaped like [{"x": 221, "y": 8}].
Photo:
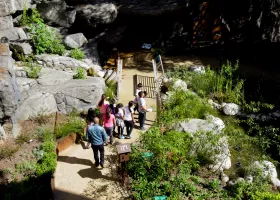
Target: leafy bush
[
  {"x": 74, "y": 125},
  {"x": 223, "y": 86},
  {"x": 111, "y": 91},
  {"x": 81, "y": 73},
  {"x": 183, "y": 105},
  {"x": 24, "y": 137},
  {"x": 26, "y": 168},
  {"x": 77, "y": 54},
  {"x": 30, "y": 16},
  {"x": 31, "y": 68},
  {"x": 46, "y": 40}
]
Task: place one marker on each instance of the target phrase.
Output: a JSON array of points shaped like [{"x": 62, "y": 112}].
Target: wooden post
[{"x": 55, "y": 125}]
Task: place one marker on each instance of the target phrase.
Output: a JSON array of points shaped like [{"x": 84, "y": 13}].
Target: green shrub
[
  {"x": 46, "y": 166},
  {"x": 265, "y": 196},
  {"x": 26, "y": 168},
  {"x": 74, "y": 125},
  {"x": 46, "y": 40},
  {"x": 111, "y": 91},
  {"x": 24, "y": 137},
  {"x": 183, "y": 105},
  {"x": 81, "y": 73},
  {"x": 30, "y": 16},
  {"x": 31, "y": 68},
  {"x": 77, "y": 54}
]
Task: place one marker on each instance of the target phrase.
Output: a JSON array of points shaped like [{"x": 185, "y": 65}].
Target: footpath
[{"x": 76, "y": 177}]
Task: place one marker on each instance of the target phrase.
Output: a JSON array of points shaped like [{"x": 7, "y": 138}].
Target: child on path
[
  {"x": 113, "y": 108},
  {"x": 109, "y": 123},
  {"x": 138, "y": 89},
  {"x": 119, "y": 120},
  {"x": 129, "y": 119}
]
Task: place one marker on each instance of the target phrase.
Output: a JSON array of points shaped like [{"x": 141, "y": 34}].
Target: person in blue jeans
[{"x": 96, "y": 135}]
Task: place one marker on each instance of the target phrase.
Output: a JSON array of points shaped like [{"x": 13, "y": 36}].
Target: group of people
[{"x": 112, "y": 116}]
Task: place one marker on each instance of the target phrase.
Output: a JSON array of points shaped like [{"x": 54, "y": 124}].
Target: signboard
[
  {"x": 124, "y": 157},
  {"x": 123, "y": 148},
  {"x": 146, "y": 46}
]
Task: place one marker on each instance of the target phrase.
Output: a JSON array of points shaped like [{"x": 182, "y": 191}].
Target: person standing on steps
[
  {"x": 96, "y": 135},
  {"x": 103, "y": 105},
  {"x": 113, "y": 108},
  {"x": 138, "y": 89},
  {"x": 129, "y": 119},
  {"x": 142, "y": 110},
  {"x": 119, "y": 119},
  {"x": 109, "y": 123}
]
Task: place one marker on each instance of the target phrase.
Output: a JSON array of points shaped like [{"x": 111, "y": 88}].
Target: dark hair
[
  {"x": 103, "y": 97},
  {"x": 139, "y": 85},
  {"x": 130, "y": 104},
  {"x": 145, "y": 93},
  {"x": 140, "y": 93},
  {"x": 90, "y": 115},
  {"x": 108, "y": 112},
  {"x": 120, "y": 105}
]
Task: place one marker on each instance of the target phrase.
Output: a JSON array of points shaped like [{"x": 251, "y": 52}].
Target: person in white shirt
[
  {"x": 119, "y": 119},
  {"x": 129, "y": 119},
  {"x": 138, "y": 89},
  {"x": 142, "y": 110}
]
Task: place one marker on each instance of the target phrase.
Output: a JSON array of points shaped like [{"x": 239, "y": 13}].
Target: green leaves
[{"x": 77, "y": 54}]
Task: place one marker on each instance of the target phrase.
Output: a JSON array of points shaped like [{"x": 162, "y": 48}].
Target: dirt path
[{"x": 76, "y": 176}]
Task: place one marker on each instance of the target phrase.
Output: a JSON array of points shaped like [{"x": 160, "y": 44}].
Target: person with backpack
[
  {"x": 103, "y": 105},
  {"x": 138, "y": 89},
  {"x": 89, "y": 121},
  {"x": 129, "y": 119}
]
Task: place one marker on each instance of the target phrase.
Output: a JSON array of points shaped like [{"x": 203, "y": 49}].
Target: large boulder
[
  {"x": 268, "y": 171},
  {"x": 8, "y": 7},
  {"x": 53, "y": 77},
  {"x": 14, "y": 34},
  {"x": 91, "y": 52},
  {"x": 9, "y": 93},
  {"x": 21, "y": 47},
  {"x": 79, "y": 94},
  {"x": 221, "y": 152},
  {"x": 103, "y": 13},
  {"x": 6, "y": 23},
  {"x": 75, "y": 40},
  {"x": 231, "y": 108},
  {"x": 60, "y": 62},
  {"x": 2, "y": 133},
  {"x": 56, "y": 13},
  {"x": 36, "y": 102},
  {"x": 25, "y": 83}
]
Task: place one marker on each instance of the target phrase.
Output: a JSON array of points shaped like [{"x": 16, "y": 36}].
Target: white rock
[
  {"x": 224, "y": 177},
  {"x": 14, "y": 34},
  {"x": 25, "y": 83},
  {"x": 219, "y": 124},
  {"x": 249, "y": 178},
  {"x": 6, "y": 23},
  {"x": 268, "y": 170},
  {"x": 239, "y": 180},
  {"x": 24, "y": 48},
  {"x": 53, "y": 77},
  {"x": 180, "y": 85},
  {"x": 75, "y": 40},
  {"x": 231, "y": 109},
  {"x": 197, "y": 68},
  {"x": 2, "y": 133}
]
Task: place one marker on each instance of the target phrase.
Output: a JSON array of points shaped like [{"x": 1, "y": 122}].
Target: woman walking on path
[
  {"x": 138, "y": 89},
  {"x": 119, "y": 120},
  {"x": 89, "y": 121},
  {"x": 103, "y": 105},
  {"x": 109, "y": 123},
  {"x": 129, "y": 119}
]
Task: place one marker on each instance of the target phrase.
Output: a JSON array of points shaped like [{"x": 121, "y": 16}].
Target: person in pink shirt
[
  {"x": 103, "y": 105},
  {"x": 109, "y": 123}
]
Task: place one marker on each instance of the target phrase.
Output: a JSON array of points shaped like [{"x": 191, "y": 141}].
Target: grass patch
[
  {"x": 77, "y": 54},
  {"x": 7, "y": 151}
]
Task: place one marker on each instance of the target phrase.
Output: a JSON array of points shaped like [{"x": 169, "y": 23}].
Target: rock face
[
  {"x": 268, "y": 170},
  {"x": 197, "y": 68},
  {"x": 14, "y": 34},
  {"x": 222, "y": 158},
  {"x": 75, "y": 40},
  {"x": 57, "y": 91},
  {"x": 24, "y": 48},
  {"x": 6, "y": 23},
  {"x": 8, "y": 7},
  {"x": 57, "y": 13},
  {"x": 103, "y": 13},
  {"x": 9, "y": 94},
  {"x": 79, "y": 94},
  {"x": 60, "y": 62},
  {"x": 180, "y": 85}
]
